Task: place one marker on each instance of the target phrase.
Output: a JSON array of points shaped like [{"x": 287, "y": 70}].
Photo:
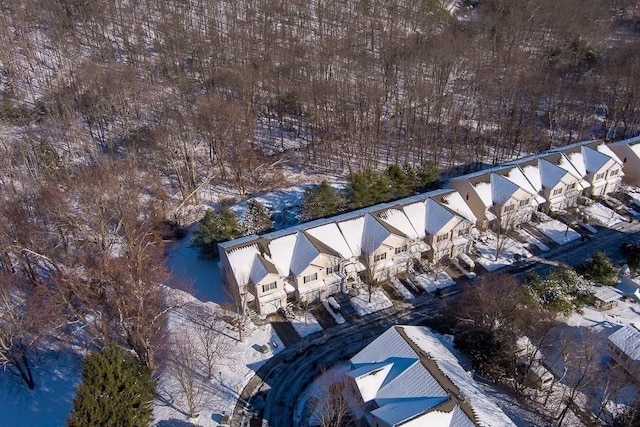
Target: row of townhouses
[{"x": 316, "y": 259}]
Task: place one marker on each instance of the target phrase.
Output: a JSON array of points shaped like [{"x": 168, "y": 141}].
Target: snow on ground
[
  {"x": 202, "y": 276},
  {"x": 379, "y": 301},
  {"x": 487, "y": 246},
  {"x": 610, "y": 321},
  {"x": 336, "y": 316},
  {"x": 602, "y": 214},
  {"x": 634, "y": 193},
  {"x": 431, "y": 282},
  {"x": 557, "y": 231},
  {"x": 531, "y": 239},
  {"x": 315, "y": 391},
  {"x": 218, "y": 395},
  {"x": 56, "y": 375},
  {"x": 305, "y": 324},
  {"x": 404, "y": 292}
]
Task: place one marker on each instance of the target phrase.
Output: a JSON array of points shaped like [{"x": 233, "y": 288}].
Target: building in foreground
[
  {"x": 407, "y": 377},
  {"x": 624, "y": 347}
]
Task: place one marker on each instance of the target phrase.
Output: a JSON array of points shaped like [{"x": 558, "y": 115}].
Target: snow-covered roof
[
  {"x": 281, "y": 250},
  {"x": 303, "y": 253},
  {"x": 455, "y": 202},
  {"x": 483, "y": 189},
  {"x": 606, "y": 294},
  {"x": 242, "y": 263},
  {"x": 410, "y": 374},
  {"x": 551, "y": 174},
  {"x": 627, "y": 339},
  {"x": 604, "y": 149},
  {"x": 532, "y": 173},
  {"x": 502, "y": 189},
  {"x": 517, "y": 176},
  {"x": 416, "y": 213},
  {"x": 438, "y": 218},
  {"x": 330, "y": 235},
  {"x": 397, "y": 219},
  {"x": 594, "y": 160}
]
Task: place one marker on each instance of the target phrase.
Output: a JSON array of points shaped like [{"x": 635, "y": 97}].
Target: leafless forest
[{"x": 115, "y": 113}]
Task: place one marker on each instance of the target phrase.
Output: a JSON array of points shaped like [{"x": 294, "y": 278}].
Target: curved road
[{"x": 270, "y": 397}]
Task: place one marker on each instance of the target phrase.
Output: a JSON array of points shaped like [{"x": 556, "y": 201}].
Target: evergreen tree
[
  {"x": 600, "y": 269},
  {"x": 320, "y": 201},
  {"x": 426, "y": 177},
  {"x": 368, "y": 188},
  {"x": 216, "y": 227},
  {"x": 116, "y": 390},
  {"x": 402, "y": 183},
  {"x": 256, "y": 219}
]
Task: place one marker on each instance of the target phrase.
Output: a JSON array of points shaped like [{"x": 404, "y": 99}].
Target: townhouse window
[
  {"x": 333, "y": 269},
  {"x": 571, "y": 186},
  {"x": 269, "y": 286},
  {"x": 601, "y": 175},
  {"x": 380, "y": 257},
  {"x": 310, "y": 278},
  {"x": 401, "y": 249},
  {"x": 525, "y": 202},
  {"x": 508, "y": 208},
  {"x": 557, "y": 191},
  {"x": 614, "y": 172},
  {"x": 442, "y": 238},
  {"x": 463, "y": 232}
]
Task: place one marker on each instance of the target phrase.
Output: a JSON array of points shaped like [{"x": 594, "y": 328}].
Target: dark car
[{"x": 630, "y": 248}]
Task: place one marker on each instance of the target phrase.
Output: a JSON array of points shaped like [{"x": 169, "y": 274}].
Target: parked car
[{"x": 630, "y": 248}]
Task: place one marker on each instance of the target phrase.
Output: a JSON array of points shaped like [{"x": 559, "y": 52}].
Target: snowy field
[
  {"x": 557, "y": 231},
  {"x": 379, "y": 301},
  {"x": 487, "y": 247},
  {"x": 201, "y": 276},
  {"x": 431, "y": 282},
  {"x": 233, "y": 369},
  {"x": 56, "y": 375},
  {"x": 602, "y": 214}
]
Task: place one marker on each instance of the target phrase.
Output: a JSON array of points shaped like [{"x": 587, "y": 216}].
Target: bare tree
[
  {"x": 334, "y": 407},
  {"x": 183, "y": 369}
]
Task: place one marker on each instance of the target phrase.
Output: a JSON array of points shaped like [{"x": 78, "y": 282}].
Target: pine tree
[
  {"x": 600, "y": 269},
  {"x": 368, "y": 188},
  {"x": 256, "y": 219},
  {"x": 216, "y": 227},
  {"x": 320, "y": 201},
  {"x": 116, "y": 390}
]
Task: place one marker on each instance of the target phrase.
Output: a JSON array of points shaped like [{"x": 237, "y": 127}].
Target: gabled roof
[
  {"x": 454, "y": 201},
  {"x": 422, "y": 381},
  {"x": 604, "y": 149},
  {"x": 551, "y": 174},
  {"x": 397, "y": 222},
  {"x": 594, "y": 160},
  {"x": 531, "y": 171},
  {"x": 502, "y": 189},
  {"x": 330, "y": 235},
  {"x": 402, "y": 410},
  {"x": 281, "y": 251},
  {"x": 439, "y": 218},
  {"x": 260, "y": 269},
  {"x": 416, "y": 213},
  {"x": 627, "y": 339},
  {"x": 241, "y": 262},
  {"x": 304, "y": 252}
]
